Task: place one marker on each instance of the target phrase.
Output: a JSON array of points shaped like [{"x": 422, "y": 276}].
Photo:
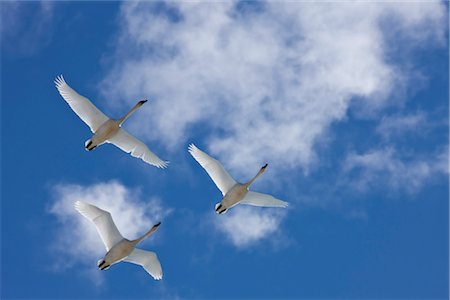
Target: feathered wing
[
  {"x": 148, "y": 260},
  {"x": 214, "y": 168},
  {"x": 84, "y": 108},
  {"x": 259, "y": 199},
  {"x": 103, "y": 221},
  {"x": 136, "y": 148}
]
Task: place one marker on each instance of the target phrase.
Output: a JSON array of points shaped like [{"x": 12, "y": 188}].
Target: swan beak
[
  {"x": 156, "y": 226},
  {"x": 265, "y": 166},
  {"x": 142, "y": 102}
]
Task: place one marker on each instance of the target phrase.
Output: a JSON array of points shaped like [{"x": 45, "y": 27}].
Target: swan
[
  {"x": 105, "y": 129},
  {"x": 233, "y": 192},
  {"x": 119, "y": 248}
]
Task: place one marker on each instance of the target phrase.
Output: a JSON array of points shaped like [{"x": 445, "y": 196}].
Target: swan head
[
  {"x": 155, "y": 226},
  {"x": 140, "y": 103}
]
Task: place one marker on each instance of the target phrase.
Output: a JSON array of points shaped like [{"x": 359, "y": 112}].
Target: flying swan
[
  {"x": 233, "y": 192},
  {"x": 119, "y": 248},
  {"x": 105, "y": 129}
]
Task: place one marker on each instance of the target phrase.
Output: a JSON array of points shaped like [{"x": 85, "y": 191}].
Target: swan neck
[
  {"x": 247, "y": 185},
  {"x": 136, "y": 107},
  {"x": 153, "y": 229}
]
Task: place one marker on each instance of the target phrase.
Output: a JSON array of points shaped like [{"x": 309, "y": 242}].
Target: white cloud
[
  {"x": 262, "y": 85},
  {"x": 26, "y": 27},
  {"x": 385, "y": 168},
  {"x": 246, "y": 226},
  {"x": 77, "y": 241},
  {"x": 397, "y": 125},
  {"x": 269, "y": 83}
]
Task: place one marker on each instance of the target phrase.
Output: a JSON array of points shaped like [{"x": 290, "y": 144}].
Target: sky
[{"x": 347, "y": 102}]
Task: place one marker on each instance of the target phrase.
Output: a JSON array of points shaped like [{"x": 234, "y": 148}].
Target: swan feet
[
  {"x": 219, "y": 209},
  {"x": 103, "y": 265},
  {"x": 88, "y": 146}
]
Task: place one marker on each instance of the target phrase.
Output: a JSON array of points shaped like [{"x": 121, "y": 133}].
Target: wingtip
[
  {"x": 192, "y": 148},
  {"x": 78, "y": 205},
  {"x": 165, "y": 164},
  {"x": 59, "y": 80}
]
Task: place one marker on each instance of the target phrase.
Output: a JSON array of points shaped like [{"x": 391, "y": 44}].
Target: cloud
[
  {"x": 246, "y": 226},
  {"x": 26, "y": 27},
  {"x": 385, "y": 168},
  {"x": 265, "y": 81},
  {"x": 268, "y": 79},
  {"x": 77, "y": 241},
  {"x": 396, "y": 125}
]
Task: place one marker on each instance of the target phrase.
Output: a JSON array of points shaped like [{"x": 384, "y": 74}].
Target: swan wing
[
  {"x": 259, "y": 199},
  {"x": 148, "y": 260},
  {"x": 136, "y": 148},
  {"x": 214, "y": 168},
  {"x": 84, "y": 108},
  {"x": 103, "y": 221}
]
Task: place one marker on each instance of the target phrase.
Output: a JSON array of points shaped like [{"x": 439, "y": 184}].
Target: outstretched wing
[
  {"x": 148, "y": 260},
  {"x": 130, "y": 144},
  {"x": 84, "y": 108},
  {"x": 103, "y": 221},
  {"x": 259, "y": 199},
  {"x": 214, "y": 168}
]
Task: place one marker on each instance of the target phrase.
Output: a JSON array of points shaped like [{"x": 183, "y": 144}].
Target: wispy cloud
[
  {"x": 26, "y": 27},
  {"x": 264, "y": 81},
  {"x": 77, "y": 241},
  {"x": 396, "y": 125},
  {"x": 247, "y": 226},
  {"x": 385, "y": 168},
  {"x": 269, "y": 81}
]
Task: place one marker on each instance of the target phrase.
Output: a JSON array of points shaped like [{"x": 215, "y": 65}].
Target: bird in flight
[
  {"x": 119, "y": 248},
  {"x": 105, "y": 129},
  {"x": 233, "y": 192}
]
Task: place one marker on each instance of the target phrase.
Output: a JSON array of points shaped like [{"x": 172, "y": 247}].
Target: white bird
[
  {"x": 233, "y": 192},
  {"x": 105, "y": 129},
  {"x": 119, "y": 248}
]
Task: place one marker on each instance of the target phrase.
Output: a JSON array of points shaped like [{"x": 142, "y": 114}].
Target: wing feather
[
  {"x": 148, "y": 260},
  {"x": 136, "y": 148},
  {"x": 103, "y": 221},
  {"x": 84, "y": 108},
  {"x": 259, "y": 199},
  {"x": 214, "y": 168}
]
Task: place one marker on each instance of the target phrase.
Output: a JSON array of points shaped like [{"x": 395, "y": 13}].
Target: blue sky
[{"x": 348, "y": 103}]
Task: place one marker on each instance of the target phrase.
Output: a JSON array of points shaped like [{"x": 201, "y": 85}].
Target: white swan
[
  {"x": 233, "y": 192},
  {"x": 119, "y": 248},
  {"x": 106, "y": 130}
]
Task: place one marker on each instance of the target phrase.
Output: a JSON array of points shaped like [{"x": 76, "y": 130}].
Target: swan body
[
  {"x": 233, "y": 192},
  {"x": 105, "y": 129},
  {"x": 119, "y": 248}
]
